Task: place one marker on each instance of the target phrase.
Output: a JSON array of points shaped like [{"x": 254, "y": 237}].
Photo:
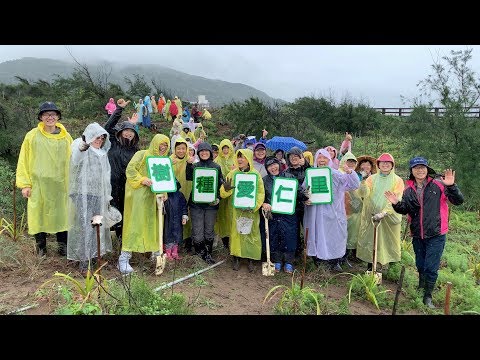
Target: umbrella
[{"x": 285, "y": 143}]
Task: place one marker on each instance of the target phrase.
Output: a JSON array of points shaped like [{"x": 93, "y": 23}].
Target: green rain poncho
[
  {"x": 179, "y": 170},
  {"x": 43, "y": 165},
  {"x": 353, "y": 208},
  {"x": 140, "y": 224},
  {"x": 388, "y": 232},
  {"x": 245, "y": 246},
  {"x": 224, "y": 216}
]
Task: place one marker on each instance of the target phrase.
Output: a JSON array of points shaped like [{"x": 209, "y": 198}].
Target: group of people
[{"x": 68, "y": 182}]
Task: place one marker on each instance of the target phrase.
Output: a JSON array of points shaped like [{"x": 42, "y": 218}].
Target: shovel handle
[
  {"x": 267, "y": 237},
  {"x": 160, "y": 221}
]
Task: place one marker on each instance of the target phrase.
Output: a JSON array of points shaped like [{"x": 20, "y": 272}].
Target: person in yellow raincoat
[
  {"x": 180, "y": 157},
  {"x": 186, "y": 133},
  {"x": 206, "y": 114},
  {"x": 42, "y": 174},
  {"x": 178, "y": 102},
  {"x": 140, "y": 223},
  {"x": 388, "y": 231},
  {"x": 226, "y": 160},
  {"x": 244, "y": 245},
  {"x": 308, "y": 156}
]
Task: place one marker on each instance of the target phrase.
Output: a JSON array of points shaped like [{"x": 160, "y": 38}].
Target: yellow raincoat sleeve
[
  {"x": 23, "y": 174},
  {"x": 365, "y": 187},
  {"x": 260, "y": 192},
  {"x": 134, "y": 177}
]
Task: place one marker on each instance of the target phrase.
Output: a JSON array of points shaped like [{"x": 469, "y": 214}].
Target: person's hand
[
  {"x": 308, "y": 202},
  {"x": 364, "y": 174},
  {"x": 242, "y": 136},
  {"x": 227, "y": 185},
  {"x": 301, "y": 162},
  {"x": 83, "y": 144},
  {"x": 133, "y": 119},
  {"x": 233, "y": 167},
  {"x": 266, "y": 207},
  {"x": 283, "y": 161},
  {"x": 391, "y": 197},
  {"x": 448, "y": 177},
  {"x": 174, "y": 160},
  {"x": 26, "y": 192},
  {"x": 307, "y": 192},
  {"x": 379, "y": 216},
  {"x": 147, "y": 182},
  {"x": 191, "y": 159},
  {"x": 264, "y": 133},
  {"x": 347, "y": 169},
  {"x": 122, "y": 103},
  {"x": 215, "y": 203}
]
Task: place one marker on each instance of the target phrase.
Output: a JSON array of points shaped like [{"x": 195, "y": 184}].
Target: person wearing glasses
[{"x": 42, "y": 174}]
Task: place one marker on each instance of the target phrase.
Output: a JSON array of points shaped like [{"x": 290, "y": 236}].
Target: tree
[{"x": 451, "y": 140}]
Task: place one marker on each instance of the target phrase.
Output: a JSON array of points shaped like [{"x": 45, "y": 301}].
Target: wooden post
[
  {"x": 436, "y": 111},
  {"x": 383, "y": 111},
  {"x": 399, "y": 290},
  {"x": 399, "y": 111},
  {"x": 304, "y": 257},
  {"x": 447, "y": 298}
]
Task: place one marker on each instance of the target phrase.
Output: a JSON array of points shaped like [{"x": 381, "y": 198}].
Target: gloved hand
[
  {"x": 227, "y": 185},
  {"x": 307, "y": 192},
  {"x": 215, "y": 203},
  {"x": 83, "y": 144},
  {"x": 184, "y": 219},
  {"x": 379, "y": 216},
  {"x": 122, "y": 103}
]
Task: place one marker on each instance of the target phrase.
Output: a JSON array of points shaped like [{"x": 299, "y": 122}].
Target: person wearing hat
[
  {"x": 42, "y": 174},
  {"x": 372, "y": 189},
  {"x": 425, "y": 201},
  {"x": 280, "y": 155},
  {"x": 259, "y": 155}
]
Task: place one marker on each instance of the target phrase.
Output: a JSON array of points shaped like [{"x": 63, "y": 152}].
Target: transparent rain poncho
[
  {"x": 224, "y": 214},
  {"x": 89, "y": 195}
]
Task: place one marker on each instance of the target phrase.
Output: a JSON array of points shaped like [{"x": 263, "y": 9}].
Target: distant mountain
[{"x": 186, "y": 86}]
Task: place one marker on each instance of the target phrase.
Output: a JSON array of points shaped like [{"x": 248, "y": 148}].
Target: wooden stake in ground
[
  {"x": 97, "y": 222},
  {"x": 399, "y": 290},
  {"x": 447, "y": 298},
  {"x": 14, "y": 212},
  {"x": 304, "y": 257}
]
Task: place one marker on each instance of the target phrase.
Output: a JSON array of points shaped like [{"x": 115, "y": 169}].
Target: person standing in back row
[{"x": 42, "y": 174}]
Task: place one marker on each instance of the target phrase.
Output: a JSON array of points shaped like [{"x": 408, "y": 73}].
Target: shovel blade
[
  {"x": 378, "y": 276},
  {"x": 268, "y": 269},
  {"x": 160, "y": 266}
]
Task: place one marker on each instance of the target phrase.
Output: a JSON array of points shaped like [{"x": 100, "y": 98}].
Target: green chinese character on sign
[
  {"x": 319, "y": 185},
  {"x": 205, "y": 184},
  {"x": 279, "y": 194},
  {"x": 245, "y": 189},
  {"x": 161, "y": 172}
]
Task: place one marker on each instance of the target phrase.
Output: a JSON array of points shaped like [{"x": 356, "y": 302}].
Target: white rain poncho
[
  {"x": 327, "y": 223},
  {"x": 89, "y": 195}
]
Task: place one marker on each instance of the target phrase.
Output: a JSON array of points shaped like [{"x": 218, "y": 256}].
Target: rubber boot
[
  {"x": 421, "y": 281},
  {"x": 188, "y": 245},
  {"x": 175, "y": 252},
  {"x": 62, "y": 243},
  {"x": 209, "y": 249},
  {"x": 427, "y": 297},
  {"x": 41, "y": 242},
  {"x": 226, "y": 242},
  {"x": 123, "y": 262},
  {"x": 202, "y": 251},
  {"x": 236, "y": 263},
  {"x": 335, "y": 265},
  {"x": 251, "y": 266},
  {"x": 369, "y": 267},
  {"x": 169, "y": 254}
]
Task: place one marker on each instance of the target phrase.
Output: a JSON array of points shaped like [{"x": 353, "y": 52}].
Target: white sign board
[
  {"x": 320, "y": 182},
  {"x": 205, "y": 185},
  {"x": 284, "y": 195},
  {"x": 160, "y": 171},
  {"x": 245, "y": 194}
]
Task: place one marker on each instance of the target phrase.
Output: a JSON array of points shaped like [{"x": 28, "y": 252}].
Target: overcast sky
[{"x": 377, "y": 74}]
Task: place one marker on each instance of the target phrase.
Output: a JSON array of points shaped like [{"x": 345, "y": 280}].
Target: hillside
[{"x": 184, "y": 85}]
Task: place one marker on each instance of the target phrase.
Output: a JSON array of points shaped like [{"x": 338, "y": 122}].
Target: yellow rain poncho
[
  {"x": 206, "y": 115},
  {"x": 224, "y": 216},
  {"x": 178, "y": 102},
  {"x": 245, "y": 246},
  {"x": 388, "y": 232},
  {"x": 140, "y": 223},
  {"x": 353, "y": 208},
  {"x": 309, "y": 156},
  {"x": 179, "y": 170},
  {"x": 43, "y": 165}
]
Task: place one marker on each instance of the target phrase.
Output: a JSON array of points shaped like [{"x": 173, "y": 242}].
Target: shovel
[
  {"x": 378, "y": 275},
  {"x": 268, "y": 269},
  {"x": 162, "y": 258},
  {"x": 97, "y": 222}
]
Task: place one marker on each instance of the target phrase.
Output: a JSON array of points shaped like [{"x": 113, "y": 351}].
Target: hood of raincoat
[
  {"x": 94, "y": 130},
  {"x": 247, "y": 154},
  {"x": 348, "y": 156},
  {"x": 205, "y": 146},
  {"x": 332, "y": 148},
  {"x": 127, "y": 125},
  {"x": 308, "y": 156},
  {"x": 226, "y": 142},
  {"x": 155, "y": 143},
  {"x": 325, "y": 153},
  {"x": 296, "y": 151}
]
